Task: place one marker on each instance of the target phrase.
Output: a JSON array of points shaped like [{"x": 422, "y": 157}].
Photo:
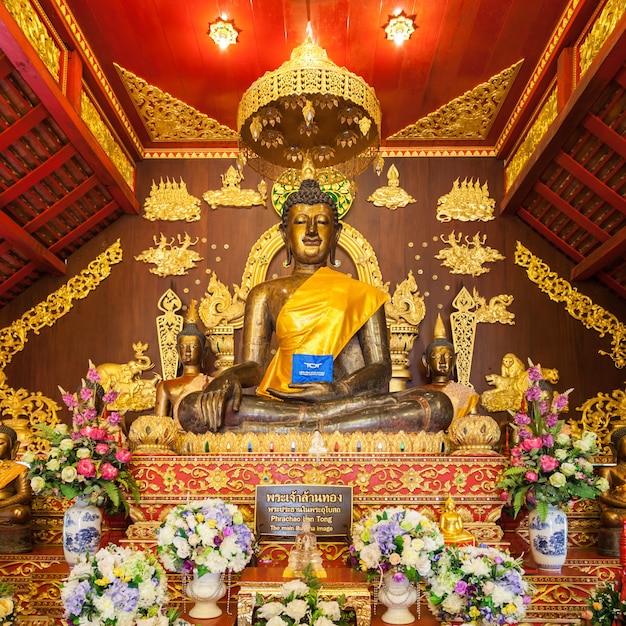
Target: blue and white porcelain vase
[
  {"x": 82, "y": 529},
  {"x": 548, "y": 540}
]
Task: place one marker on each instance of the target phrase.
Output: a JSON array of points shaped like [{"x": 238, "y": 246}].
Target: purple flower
[
  {"x": 560, "y": 402},
  {"x": 548, "y": 440},
  {"x": 533, "y": 394},
  {"x": 460, "y": 587},
  {"x": 92, "y": 375},
  {"x": 551, "y": 420},
  {"x": 534, "y": 373},
  {"x": 110, "y": 396},
  {"x": 86, "y": 394},
  {"x": 74, "y": 603}
]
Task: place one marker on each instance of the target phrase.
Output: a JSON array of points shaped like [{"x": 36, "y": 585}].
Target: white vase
[
  {"x": 548, "y": 540},
  {"x": 82, "y": 530},
  {"x": 206, "y": 590},
  {"x": 397, "y": 596}
]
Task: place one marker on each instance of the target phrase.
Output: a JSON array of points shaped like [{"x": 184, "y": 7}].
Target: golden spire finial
[
  {"x": 440, "y": 329},
  {"x": 192, "y": 313},
  {"x": 308, "y": 169}
]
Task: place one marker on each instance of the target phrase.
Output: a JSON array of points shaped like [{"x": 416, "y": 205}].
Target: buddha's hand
[
  {"x": 313, "y": 392},
  {"x": 215, "y": 397}
]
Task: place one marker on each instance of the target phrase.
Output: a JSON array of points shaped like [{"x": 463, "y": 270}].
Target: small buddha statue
[
  {"x": 305, "y": 552},
  {"x": 451, "y": 525}
]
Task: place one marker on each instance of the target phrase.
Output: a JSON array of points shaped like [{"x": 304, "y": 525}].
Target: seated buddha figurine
[
  {"x": 15, "y": 496},
  {"x": 451, "y": 525},
  {"x": 191, "y": 346},
  {"x": 613, "y": 501},
  {"x": 439, "y": 360},
  {"x": 331, "y": 330},
  {"x": 305, "y": 552}
]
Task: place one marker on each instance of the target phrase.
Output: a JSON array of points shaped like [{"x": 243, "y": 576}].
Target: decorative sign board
[{"x": 280, "y": 510}]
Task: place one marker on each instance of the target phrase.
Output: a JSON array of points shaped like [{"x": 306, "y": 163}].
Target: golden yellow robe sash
[
  {"x": 10, "y": 470},
  {"x": 322, "y": 315}
]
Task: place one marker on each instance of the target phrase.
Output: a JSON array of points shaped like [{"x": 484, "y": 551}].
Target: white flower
[
  {"x": 323, "y": 621},
  {"x": 557, "y": 479},
  {"x": 83, "y": 453},
  {"x": 330, "y": 609},
  {"x": 66, "y": 444},
  {"x": 37, "y": 484},
  {"x": 296, "y": 586},
  {"x": 370, "y": 555},
  {"x": 296, "y": 609},
  {"x": 270, "y": 610},
  {"x": 277, "y": 620},
  {"x": 568, "y": 469},
  {"x": 478, "y": 567},
  {"x": 453, "y": 603},
  {"x": 53, "y": 465},
  {"x": 69, "y": 474},
  {"x": 502, "y": 596},
  {"x": 28, "y": 457}
]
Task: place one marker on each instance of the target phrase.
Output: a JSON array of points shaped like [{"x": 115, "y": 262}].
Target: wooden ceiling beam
[
  {"x": 58, "y": 207},
  {"x": 606, "y": 134},
  {"x": 37, "y": 175},
  {"x": 592, "y": 182},
  {"x": 602, "y": 256},
  {"x": 21, "y": 54},
  {"x": 608, "y": 62},
  {"x": 15, "y": 279},
  {"x": 30, "y": 247},
  {"x": 22, "y": 126},
  {"x": 545, "y": 232},
  {"x": 576, "y": 216},
  {"x": 95, "y": 220}
]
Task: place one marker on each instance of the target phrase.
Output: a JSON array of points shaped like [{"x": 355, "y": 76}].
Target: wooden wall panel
[{"x": 122, "y": 310}]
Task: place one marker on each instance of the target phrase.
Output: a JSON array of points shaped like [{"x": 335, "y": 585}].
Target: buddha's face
[
  {"x": 189, "y": 350},
  {"x": 6, "y": 446},
  {"x": 311, "y": 232},
  {"x": 441, "y": 361}
]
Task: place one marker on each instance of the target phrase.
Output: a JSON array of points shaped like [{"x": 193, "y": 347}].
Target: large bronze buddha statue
[{"x": 331, "y": 329}]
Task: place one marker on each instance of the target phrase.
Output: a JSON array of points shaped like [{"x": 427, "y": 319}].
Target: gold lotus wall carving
[
  {"x": 467, "y": 258},
  {"x": 578, "y": 305},
  {"x": 469, "y": 116},
  {"x": 467, "y": 201},
  {"x": 169, "y": 259},
  {"x": 171, "y": 201},
  {"x": 231, "y": 193},
  {"x": 391, "y": 196},
  {"x": 166, "y": 118},
  {"x": 168, "y": 326},
  {"x": 25, "y": 408}
]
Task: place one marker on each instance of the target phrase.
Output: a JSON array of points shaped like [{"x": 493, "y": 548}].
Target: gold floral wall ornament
[
  {"x": 579, "y": 306},
  {"x": 25, "y": 408},
  {"x": 231, "y": 193},
  {"x": 171, "y": 201},
  {"x": 603, "y": 26},
  {"x": 467, "y": 258},
  {"x": 469, "y": 116},
  {"x": 218, "y": 307},
  {"x": 391, "y": 196},
  {"x": 167, "y": 119},
  {"x": 406, "y": 305},
  {"x": 168, "y": 326},
  {"x": 602, "y": 414},
  {"x": 135, "y": 393},
  {"x": 169, "y": 259},
  {"x": 463, "y": 327},
  {"x": 467, "y": 201}
]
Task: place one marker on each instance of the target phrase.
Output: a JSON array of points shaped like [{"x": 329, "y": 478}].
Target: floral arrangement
[
  {"x": 298, "y": 602},
  {"x": 208, "y": 535},
  {"x": 548, "y": 465},
  {"x": 8, "y": 610},
  {"x": 89, "y": 460},
  {"x": 396, "y": 539},
  {"x": 604, "y": 606},
  {"x": 117, "y": 586},
  {"x": 480, "y": 585}
]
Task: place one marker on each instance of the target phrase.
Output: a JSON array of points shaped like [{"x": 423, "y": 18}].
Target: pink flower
[
  {"x": 114, "y": 418},
  {"x": 534, "y": 374},
  {"x": 102, "y": 448},
  {"x": 92, "y": 375},
  {"x": 531, "y": 476},
  {"x": 86, "y": 467},
  {"x": 521, "y": 419},
  {"x": 97, "y": 434},
  {"x": 548, "y": 463},
  {"x": 108, "y": 471},
  {"x": 551, "y": 420},
  {"x": 533, "y": 393},
  {"x": 504, "y": 496},
  {"x": 69, "y": 400},
  {"x": 534, "y": 443},
  {"x": 548, "y": 440},
  {"x": 123, "y": 455},
  {"x": 110, "y": 396},
  {"x": 560, "y": 402},
  {"x": 86, "y": 394}
]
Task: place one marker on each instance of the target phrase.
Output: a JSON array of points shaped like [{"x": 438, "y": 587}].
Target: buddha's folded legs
[{"x": 411, "y": 410}]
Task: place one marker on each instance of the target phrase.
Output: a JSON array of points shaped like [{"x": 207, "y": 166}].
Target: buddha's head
[
  {"x": 8, "y": 442},
  {"x": 310, "y": 226},
  {"x": 190, "y": 341},
  {"x": 439, "y": 358}
]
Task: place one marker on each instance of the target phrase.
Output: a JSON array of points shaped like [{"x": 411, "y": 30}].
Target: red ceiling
[{"x": 458, "y": 45}]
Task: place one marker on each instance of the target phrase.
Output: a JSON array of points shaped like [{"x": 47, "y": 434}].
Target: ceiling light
[
  {"x": 223, "y": 32},
  {"x": 400, "y": 27}
]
